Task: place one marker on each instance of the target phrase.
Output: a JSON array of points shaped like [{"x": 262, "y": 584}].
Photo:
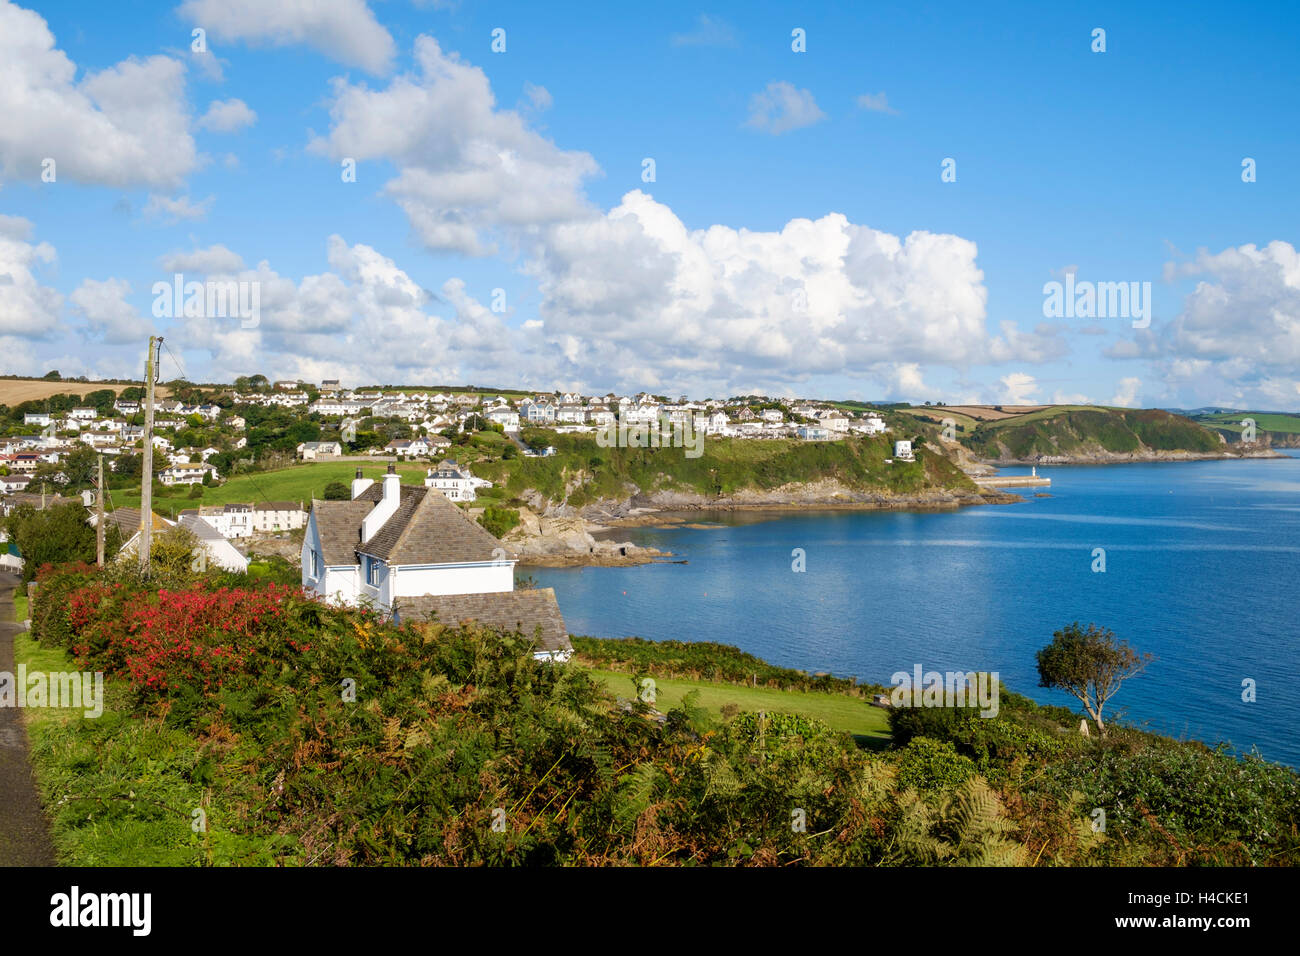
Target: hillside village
[
  {"x": 201, "y": 442},
  {"x": 408, "y": 550}
]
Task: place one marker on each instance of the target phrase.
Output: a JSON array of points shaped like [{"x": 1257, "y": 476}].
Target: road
[{"x": 24, "y": 832}]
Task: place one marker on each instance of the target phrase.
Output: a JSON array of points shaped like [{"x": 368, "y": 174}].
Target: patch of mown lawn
[{"x": 868, "y": 724}]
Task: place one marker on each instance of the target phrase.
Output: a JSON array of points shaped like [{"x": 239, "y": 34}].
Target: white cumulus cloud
[
  {"x": 228, "y": 116},
  {"x": 107, "y": 314},
  {"x": 637, "y": 289},
  {"x": 466, "y": 169},
  {"x": 105, "y": 129},
  {"x": 344, "y": 30},
  {"x": 27, "y": 308}
]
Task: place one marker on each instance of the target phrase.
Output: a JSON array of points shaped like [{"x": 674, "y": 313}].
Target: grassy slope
[
  {"x": 1264, "y": 421},
  {"x": 162, "y": 836},
  {"x": 940, "y": 413},
  {"x": 726, "y": 466},
  {"x": 296, "y": 483},
  {"x": 1079, "y": 430},
  {"x": 838, "y": 711},
  {"x": 159, "y": 766},
  {"x": 1048, "y": 413}
]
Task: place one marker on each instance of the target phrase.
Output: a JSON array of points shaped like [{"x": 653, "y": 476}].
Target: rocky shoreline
[
  {"x": 551, "y": 535},
  {"x": 563, "y": 536},
  {"x": 1137, "y": 457},
  {"x": 565, "y": 541}
]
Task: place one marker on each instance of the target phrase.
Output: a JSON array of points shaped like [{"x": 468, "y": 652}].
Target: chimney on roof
[
  {"x": 386, "y": 508},
  {"x": 360, "y": 484}
]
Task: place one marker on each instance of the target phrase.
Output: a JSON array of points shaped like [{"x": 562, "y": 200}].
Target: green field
[
  {"x": 939, "y": 413},
  {"x": 838, "y": 711},
  {"x": 295, "y": 483},
  {"x": 1264, "y": 421},
  {"x": 1050, "y": 412}
]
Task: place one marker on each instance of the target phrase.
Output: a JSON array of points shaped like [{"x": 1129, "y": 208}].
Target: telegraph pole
[
  {"x": 99, "y": 512},
  {"x": 146, "y": 476}
]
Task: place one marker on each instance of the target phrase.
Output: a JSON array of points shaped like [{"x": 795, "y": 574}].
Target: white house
[
  {"x": 410, "y": 553},
  {"x": 187, "y": 473},
  {"x": 84, "y": 414},
  {"x": 835, "y": 421},
  {"x": 12, "y": 483},
  {"x": 903, "y": 451},
  {"x": 36, "y": 418},
  {"x": 571, "y": 413},
  {"x": 537, "y": 412},
  {"x": 99, "y": 439},
  {"x": 504, "y": 416},
  {"x": 333, "y": 406},
  {"x": 229, "y": 521},
  {"x": 871, "y": 425},
  {"x": 311, "y": 450},
  {"x": 270, "y": 516},
  {"x": 813, "y": 432},
  {"x": 411, "y": 447},
  {"x": 455, "y": 481},
  {"x": 644, "y": 414},
  {"x": 216, "y": 549}
]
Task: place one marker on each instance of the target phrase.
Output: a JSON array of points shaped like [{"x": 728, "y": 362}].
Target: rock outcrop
[{"x": 567, "y": 540}]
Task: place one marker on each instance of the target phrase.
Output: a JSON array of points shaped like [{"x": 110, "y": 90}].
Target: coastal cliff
[
  {"x": 1098, "y": 436},
  {"x": 557, "y": 534}
]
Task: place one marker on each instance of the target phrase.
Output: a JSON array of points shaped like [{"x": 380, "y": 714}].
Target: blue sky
[{"x": 522, "y": 171}]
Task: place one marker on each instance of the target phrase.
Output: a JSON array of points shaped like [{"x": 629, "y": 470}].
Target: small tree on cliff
[{"x": 1090, "y": 664}]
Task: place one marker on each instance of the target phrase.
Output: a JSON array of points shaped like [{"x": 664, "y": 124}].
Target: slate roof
[
  {"x": 533, "y": 613},
  {"x": 339, "y": 525},
  {"x": 426, "y": 528}
]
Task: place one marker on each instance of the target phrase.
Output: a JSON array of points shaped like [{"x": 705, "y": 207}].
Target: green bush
[
  {"x": 1198, "y": 796},
  {"x": 992, "y": 743},
  {"x": 337, "y": 491},
  {"x": 498, "y": 521},
  {"x": 932, "y": 765}
]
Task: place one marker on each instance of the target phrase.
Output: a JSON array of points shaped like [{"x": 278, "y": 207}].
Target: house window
[
  {"x": 315, "y": 564},
  {"x": 372, "y": 572}
]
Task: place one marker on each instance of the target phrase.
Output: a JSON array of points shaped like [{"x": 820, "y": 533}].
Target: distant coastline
[{"x": 1147, "y": 456}]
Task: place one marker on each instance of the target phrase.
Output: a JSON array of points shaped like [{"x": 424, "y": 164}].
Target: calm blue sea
[{"x": 1202, "y": 570}]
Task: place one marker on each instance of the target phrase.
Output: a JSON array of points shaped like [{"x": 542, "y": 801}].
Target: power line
[{"x": 179, "y": 367}]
